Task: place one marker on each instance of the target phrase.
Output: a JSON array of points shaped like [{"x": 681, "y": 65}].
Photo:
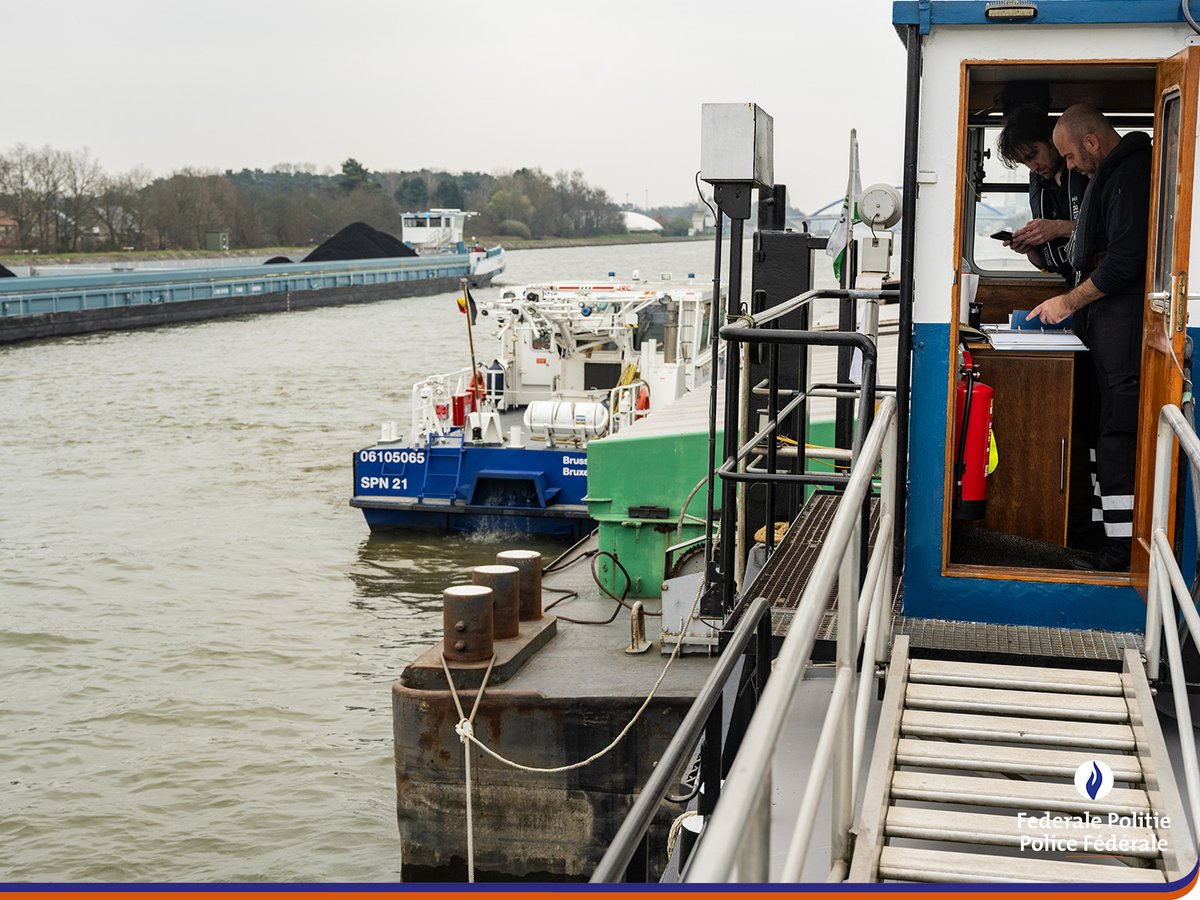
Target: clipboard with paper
[{"x": 1023, "y": 333}]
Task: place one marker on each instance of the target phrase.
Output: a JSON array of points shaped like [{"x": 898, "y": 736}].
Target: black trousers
[{"x": 1112, "y": 330}]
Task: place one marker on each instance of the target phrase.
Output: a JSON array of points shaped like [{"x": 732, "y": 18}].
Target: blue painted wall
[{"x": 930, "y": 594}]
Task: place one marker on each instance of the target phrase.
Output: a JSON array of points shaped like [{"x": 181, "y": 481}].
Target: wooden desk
[{"x": 1029, "y": 493}]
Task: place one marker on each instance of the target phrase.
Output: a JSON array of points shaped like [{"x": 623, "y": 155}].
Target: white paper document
[{"x": 1003, "y": 337}]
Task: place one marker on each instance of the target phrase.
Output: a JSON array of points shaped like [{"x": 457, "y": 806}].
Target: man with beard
[{"x": 1108, "y": 253}]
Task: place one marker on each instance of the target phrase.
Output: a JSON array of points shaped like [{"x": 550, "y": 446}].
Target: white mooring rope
[{"x": 465, "y": 730}]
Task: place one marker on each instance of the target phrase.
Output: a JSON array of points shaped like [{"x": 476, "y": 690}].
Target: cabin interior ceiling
[{"x": 1112, "y": 88}]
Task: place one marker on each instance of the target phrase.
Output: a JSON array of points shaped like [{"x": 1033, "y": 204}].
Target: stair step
[
  {"x": 1067, "y": 681},
  {"x": 1009, "y": 760},
  {"x": 909, "y": 864},
  {"x": 1008, "y": 830},
  {"x": 1018, "y": 730},
  {"x": 1036, "y": 796},
  {"x": 1025, "y": 703}
]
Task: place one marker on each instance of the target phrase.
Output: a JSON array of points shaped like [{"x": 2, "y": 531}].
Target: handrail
[
  {"x": 735, "y": 841},
  {"x": 779, "y": 310},
  {"x": 428, "y": 393},
  {"x": 622, "y": 405},
  {"x": 1165, "y": 580},
  {"x": 637, "y": 822}
]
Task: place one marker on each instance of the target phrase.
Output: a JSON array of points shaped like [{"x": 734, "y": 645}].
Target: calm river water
[{"x": 198, "y": 635}]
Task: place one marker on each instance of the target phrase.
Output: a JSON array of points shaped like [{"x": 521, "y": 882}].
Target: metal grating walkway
[
  {"x": 785, "y": 575},
  {"x": 966, "y": 753}
]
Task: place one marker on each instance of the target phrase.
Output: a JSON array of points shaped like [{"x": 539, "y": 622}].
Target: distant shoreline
[{"x": 298, "y": 253}]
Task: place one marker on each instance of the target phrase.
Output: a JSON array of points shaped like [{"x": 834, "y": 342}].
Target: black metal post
[
  {"x": 710, "y": 603},
  {"x": 773, "y": 445},
  {"x": 710, "y": 760},
  {"x": 733, "y": 368},
  {"x": 908, "y": 239},
  {"x": 843, "y": 420}
]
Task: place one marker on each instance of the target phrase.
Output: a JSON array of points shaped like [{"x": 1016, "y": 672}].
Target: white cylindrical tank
[{"x": 563, "y": 419}]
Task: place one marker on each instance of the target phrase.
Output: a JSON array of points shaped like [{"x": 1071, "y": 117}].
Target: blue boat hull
[
  {"x": 470, "y": 520},
  {"x": 449, "y": 486}
]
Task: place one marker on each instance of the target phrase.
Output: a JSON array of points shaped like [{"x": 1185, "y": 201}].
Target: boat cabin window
[
  {"x": 1039, "y": 492},
  {"x": 1168, "y": 170},
  {"x": 1001, "y": 204}
]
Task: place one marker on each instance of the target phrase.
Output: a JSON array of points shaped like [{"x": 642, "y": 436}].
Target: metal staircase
[
  {"x": 444, "y": 466},
  {"x": 969, "y": 757}
]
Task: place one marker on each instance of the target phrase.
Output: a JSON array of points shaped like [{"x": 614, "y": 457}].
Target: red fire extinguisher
[{"x": 973, "y": 406}]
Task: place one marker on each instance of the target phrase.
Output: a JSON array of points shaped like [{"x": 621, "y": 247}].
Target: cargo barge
[
  {"x": 358, "y": 264},
  {"x": 58, "y": 306}
]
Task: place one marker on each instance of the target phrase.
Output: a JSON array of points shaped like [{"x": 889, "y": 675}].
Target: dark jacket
[
  {"x": 1109, "y": 243},
  {"x": 1050, "y": 200},
  {"x": 1109, "y": 246}
]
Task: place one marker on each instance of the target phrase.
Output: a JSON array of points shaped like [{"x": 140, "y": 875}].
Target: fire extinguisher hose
[{"x": 960, "y": 462}]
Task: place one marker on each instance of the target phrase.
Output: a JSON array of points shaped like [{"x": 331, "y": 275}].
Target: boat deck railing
[
  {"x": 433, "y": 392},
  {"x": 623, "y": 409},
  {"x": 735, "y": 842},
  {"x": 743, "y": 462},
  {"x": 1166, "y": 586}
]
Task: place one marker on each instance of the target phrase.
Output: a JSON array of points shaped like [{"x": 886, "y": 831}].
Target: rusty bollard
[
  {"x": 530, "y": 564},
  {"x": 505, "y": 582},
  {"x": 467, "y": 623}
]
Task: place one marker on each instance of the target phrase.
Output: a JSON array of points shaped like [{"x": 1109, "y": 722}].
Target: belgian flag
[{"x": 466, "y": 304}]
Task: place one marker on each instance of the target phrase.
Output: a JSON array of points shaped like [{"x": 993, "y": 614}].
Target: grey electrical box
[
  {"x": 216, "y": 240},
  {"x": 737, "y": 144}
]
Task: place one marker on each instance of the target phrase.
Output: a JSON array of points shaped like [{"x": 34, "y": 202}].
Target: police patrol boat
[
  {"x": 1035, "y": 722},
  {"x": 503, "y": 446}
]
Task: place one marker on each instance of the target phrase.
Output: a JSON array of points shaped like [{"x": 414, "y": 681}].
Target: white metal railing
[
  {"x": 623, "y": 408},
  {"x": 431, "y": 401},
  {"x": 1166, "y": 585},
  {"x": 735, "y": 843}
]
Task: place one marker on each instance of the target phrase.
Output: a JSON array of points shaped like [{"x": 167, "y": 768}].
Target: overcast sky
[{"x": 611, "y": 88}]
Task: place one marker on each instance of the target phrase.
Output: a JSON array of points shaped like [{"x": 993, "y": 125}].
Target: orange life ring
[
  {"x": 643, "y": 399},
  {"x": 478, "y": 386}
]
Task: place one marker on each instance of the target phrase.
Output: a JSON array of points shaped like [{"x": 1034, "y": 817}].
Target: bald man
[{"x": 1108, "y": 253}]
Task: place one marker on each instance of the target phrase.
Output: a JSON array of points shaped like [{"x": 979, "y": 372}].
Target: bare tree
[
  {"x": 16, "y": 192},
  {"x": 47, "y": 176},
  {"x": 187, "y": 204},
  {"x": 121, "y": 207},
  {"x": 82, "y": 178}
]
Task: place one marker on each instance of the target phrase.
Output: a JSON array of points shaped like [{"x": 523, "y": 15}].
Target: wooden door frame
[{"x": 1161, "y": 381}]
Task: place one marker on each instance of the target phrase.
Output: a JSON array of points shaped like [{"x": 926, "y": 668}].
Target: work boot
[
  {"x": 1113, "y": 556},
  {"x": 1087, "y": 537}
]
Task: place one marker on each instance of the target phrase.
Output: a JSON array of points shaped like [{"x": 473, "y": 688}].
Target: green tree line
[{"x": 64, "y": 201}]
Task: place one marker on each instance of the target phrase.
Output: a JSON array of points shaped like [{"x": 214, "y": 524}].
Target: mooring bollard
[
  {"x": 467, "y": 623},
  {"x": 505, "y": 582},
  {"x": 530, "y": 564}
]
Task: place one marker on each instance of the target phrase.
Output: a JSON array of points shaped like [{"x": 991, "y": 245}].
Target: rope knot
[{"x": 464, "y": 730}]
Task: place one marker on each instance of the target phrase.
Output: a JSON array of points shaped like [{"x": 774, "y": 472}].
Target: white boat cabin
[
  {"x": 974, "y": 70},
  {"x": 434, "y": 231}
]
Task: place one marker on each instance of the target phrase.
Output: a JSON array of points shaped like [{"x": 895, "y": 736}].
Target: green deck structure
[{"x": 638, "y": 481}]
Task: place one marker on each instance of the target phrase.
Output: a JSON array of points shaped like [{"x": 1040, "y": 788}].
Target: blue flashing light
[{"x": 585, "y": 311}]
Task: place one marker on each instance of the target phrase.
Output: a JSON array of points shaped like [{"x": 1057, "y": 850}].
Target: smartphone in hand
[{"x": 1003, "y": 235}]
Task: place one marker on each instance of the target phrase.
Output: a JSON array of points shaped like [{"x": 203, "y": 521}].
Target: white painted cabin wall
[{"x": 934, "y": 264}]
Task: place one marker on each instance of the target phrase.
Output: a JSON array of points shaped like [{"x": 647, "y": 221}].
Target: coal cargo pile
[
  {"x": 5, "y": 273},
  {"x": 359, "y": 241},
  {"x": 277, "y": 260}
]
